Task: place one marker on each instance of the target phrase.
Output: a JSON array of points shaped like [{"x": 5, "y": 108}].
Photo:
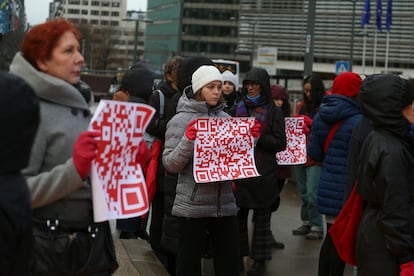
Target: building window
[
  {"x": 74, "y": 2},
  {"x": 105, "y": 4},
  {"x": 114, "y": 23},
  {"x": 114, "y": 14},
  {"x": 94, "y": 22},
  {"x": 73, "y": 11},
  {"x": 105, "y": 13},
  {"x": 94, "y": 12},
  {"x": 116, "y": 4},
  {"x": 85, "y": 2},
  {"x": 85, "y": 12},
  {"x": 104, "y": 22},
  {"x": 95, "y": 3}
]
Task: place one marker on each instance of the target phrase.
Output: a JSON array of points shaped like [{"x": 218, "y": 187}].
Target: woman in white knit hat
[
  {"x": 201, "y": 207},
  {"x": 230, "y": 92}
]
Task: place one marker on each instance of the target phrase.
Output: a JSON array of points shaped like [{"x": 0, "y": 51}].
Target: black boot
[{"x": 257, "y": 269}]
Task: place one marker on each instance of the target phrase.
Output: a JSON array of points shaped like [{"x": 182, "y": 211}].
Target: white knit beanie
[
  {"x": 204, "y": 75},
  {"x": 230, "y": 77}
]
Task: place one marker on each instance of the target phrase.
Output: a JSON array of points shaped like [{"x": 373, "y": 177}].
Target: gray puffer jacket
[{"x": 194, "y": 200}]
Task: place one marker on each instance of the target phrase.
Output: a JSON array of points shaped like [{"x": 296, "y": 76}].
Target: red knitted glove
[
  {"x": 255, "y": 130},
  {"x": 84, "y": 151},
  {"x": 143, "y": 155},
  {"x": 407, "y": 269},
  {"x": 191, "y": 131}
]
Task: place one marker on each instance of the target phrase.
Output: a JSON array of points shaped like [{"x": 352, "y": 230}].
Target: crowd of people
[{"x": 361, "y": 130}]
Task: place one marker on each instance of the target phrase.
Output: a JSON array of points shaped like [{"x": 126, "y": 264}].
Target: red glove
[
  {"x": 255, "y": 130},
  {"x": 407, "y": 269},
  {"x": 308, "y": 120},
  {"x": 84, "y": 151},
  {"x": 191, "y": 131},
  {"x": 143, "y": 155}
]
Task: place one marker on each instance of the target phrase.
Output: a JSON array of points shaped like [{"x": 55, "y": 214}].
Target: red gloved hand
[
  {"x": 255, "y": 130},
  {"x": 143, "y": 155},
  {"x": 308, "y": 120},
  {"x": 407, "y": 269},
  {"x": 191, "y": 131},
  {"x": 84, "y": 151}
]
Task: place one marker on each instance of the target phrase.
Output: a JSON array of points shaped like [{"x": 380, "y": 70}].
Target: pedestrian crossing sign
[{"x": 342, "y": 66}]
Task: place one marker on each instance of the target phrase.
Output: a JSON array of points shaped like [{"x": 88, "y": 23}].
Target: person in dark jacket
[
  {"x": 385, "y": 238},
  {"x": 280, "y": 99},
  {"x": 307, "y": 175},
  {"x": 136, "y": 86},
  {"x": 230, "y": 91},
  {"x": 157, "y": 127},
  {"x": 339, "y": 113},
  {"x": 19, "y": 119},
  {"x": 259, "y": 193},
  {"x": 164, "y": 225}
]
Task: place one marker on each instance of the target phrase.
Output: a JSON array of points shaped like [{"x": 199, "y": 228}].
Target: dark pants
[
  {"x": 225, "y": 239},
  {"x": 167, "y": 258},
  {"x": 330, "y": 264},
  {"x": 261, "y": 242}
]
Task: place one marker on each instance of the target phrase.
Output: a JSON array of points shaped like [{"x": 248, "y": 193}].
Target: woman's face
[
  {"x": 228, "y": 87},
  {"x": 253, "y": 88},
  {"x": 212, "y": 92},
  {"x": 278, "y": 102},
  {"x": 307, "y": 88},
  {"x": 66, "y": 60}
]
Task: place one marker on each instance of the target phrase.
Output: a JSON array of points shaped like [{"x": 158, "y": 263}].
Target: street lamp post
[
  {"x": 253, "y": 36},
  {"x": 351, "y": 48},
  {"x": 137, "y": 16}
]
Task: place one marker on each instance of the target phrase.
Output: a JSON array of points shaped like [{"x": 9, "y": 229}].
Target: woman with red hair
[{"x": 64, "y": 234}]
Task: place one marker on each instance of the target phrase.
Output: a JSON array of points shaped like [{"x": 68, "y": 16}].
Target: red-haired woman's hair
[{"x": 39, "y": 42}]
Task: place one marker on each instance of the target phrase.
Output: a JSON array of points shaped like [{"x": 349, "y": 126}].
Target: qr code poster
[
  {"x": 118, "y": 184},
  {"x": 224, "y": 149},
  {"x": 295, "y": 152}
]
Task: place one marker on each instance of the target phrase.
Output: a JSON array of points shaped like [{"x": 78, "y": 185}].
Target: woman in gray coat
[
  {"x": 61, "y": 156},
  {"x": 200, "y": 207}
]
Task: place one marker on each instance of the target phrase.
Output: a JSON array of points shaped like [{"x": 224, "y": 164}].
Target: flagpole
[
  {"x": 386, "y": 52},
  {"x": 363, "y": 50},
  {"x": 374, "y": 58}
]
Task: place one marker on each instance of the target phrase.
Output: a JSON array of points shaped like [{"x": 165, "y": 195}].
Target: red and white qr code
[
  {"x": 295, "y": 152},
  {"x": 224, "y": 149},
  {"x": 120, "y": 176}
]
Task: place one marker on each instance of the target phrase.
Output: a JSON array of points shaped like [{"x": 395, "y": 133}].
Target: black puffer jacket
[
  {"x": 386, "y": 180},
  {"x": 262, "y": 191}
]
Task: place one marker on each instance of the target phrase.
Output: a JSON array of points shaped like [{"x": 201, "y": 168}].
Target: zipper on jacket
[{"x": 194, "y": 191}]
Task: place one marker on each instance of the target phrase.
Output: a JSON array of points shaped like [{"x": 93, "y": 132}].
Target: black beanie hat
[
  {"x": 186, "y": 69},
  {"x": 139, "y": 83}
]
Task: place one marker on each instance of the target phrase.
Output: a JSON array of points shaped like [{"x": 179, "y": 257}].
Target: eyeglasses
[{"x": 252, "y": 83}]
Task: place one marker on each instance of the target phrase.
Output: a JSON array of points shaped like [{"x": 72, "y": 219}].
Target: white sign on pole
[{"x": 267, "y": 59}]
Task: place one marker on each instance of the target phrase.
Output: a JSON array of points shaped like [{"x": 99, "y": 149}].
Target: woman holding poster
[
  {"x": 66, "y": 239},
  {"x": 260, "y": 193},
  {"x": 201, "y": 207}
]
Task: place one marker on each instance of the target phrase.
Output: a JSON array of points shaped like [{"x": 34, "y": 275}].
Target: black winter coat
[
  {"x": 262, "y": 191},
  {"x": 386, "y": 180}
]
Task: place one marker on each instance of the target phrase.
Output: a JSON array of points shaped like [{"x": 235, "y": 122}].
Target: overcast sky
[{"x": 37, "y": 10}]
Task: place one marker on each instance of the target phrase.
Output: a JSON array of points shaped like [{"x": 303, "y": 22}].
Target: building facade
[
  {"x": 113, "y": 37},
  {"x": 235, "y": 29}
]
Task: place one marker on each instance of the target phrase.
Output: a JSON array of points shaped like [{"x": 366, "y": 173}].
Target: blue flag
[
  {"x": 366, "y": 14},
  {"x": 388, "y": 20},
  {"x": 379, "y": 14}
]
